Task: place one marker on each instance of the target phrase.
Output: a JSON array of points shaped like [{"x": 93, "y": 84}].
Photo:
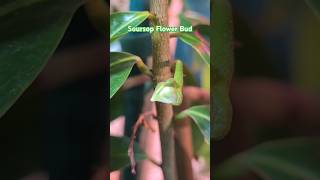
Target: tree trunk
[{"x": 161, "y": 71}]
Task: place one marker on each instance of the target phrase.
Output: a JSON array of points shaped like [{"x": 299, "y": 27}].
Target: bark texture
[{"x": 161, "y": 71}]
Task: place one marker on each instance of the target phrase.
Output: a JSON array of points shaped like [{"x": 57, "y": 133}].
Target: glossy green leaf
[
  {"x": 315, "y": 5},
  {"x": 195, "y": 40},
  {"x": 222, "y": 68},
  {"x": 119, "y": 153},
  {"x": 296, "y": 158},
  {"x": 199, "y": 44},
  {"x": 201, "y": 116},
  {"x": 30, "y": 32},
  {"x": 170, "y": 91},
  {"x": 120, "y": 67},
  {"x": 120, "y": 21}
]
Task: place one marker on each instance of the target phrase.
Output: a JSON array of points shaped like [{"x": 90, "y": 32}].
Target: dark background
[
  {"x": 276, "y": 87},
  {"x": 59, "y": 126}
]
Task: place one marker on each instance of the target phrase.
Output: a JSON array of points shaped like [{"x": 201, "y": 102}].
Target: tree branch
[{"x": 161, "y": 72}]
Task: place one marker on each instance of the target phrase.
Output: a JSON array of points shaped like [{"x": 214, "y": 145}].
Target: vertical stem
[
  {"x": 183, "y": 144},
  {"x": 184, "y": 151},
  {"x": 161, "y": 70}
]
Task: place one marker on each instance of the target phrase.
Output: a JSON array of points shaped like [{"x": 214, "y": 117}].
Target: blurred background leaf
[
  {"x": 305, "y": 53},
  {"x": 315, "y": 5},
  {"x": 296, "y": 158},
  {"x": 97, "y": 11},
  {"x": 222, "y": 68},
  {"x": 29, "y": 35},
  {"x": 58, "y": 123}
]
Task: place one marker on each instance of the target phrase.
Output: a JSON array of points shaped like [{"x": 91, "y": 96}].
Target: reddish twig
[{"x": 141, "y": 120}]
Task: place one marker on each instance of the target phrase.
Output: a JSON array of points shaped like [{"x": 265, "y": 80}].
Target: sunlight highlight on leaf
[
  {"x": 201, "y": 117},
  {"x": 198, "y": 43},
  {"x": 120, "y": 67},
  {"x": 120, "y": 21},
  {"x": 170, "y": 91}
]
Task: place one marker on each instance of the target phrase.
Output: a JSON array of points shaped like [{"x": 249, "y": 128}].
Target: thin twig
[{"x": 141, "y": 120}]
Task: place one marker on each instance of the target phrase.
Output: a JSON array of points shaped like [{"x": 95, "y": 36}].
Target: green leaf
[
  {"x": 201, "y": 116},
  {"x": 30, "y": 32},
  {"x": 120, "y": 67},
  {"x": 192, "y": 18},
  {"x": 296, "y": 158},
  {"x": 119, "y": 153},
  {"x": 8, "y": 6},
  {"x": 120, "y": 21},
  {"x": 184, "y": 21},
  {"x": 199, "y": 44},
  {"x": 222, "y": 68},
  {"x": 170, "y": 91},
  {"x": 195, "y": 40},
  {"x": 315, "y": 6}
]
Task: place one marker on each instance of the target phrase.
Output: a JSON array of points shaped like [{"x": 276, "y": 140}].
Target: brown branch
[
  {"x": 183, "y": 146},
  {"x": 183, "y": 131},
  {"x": 174, "y": 35},
  {"x": 161, "y": 72}
]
